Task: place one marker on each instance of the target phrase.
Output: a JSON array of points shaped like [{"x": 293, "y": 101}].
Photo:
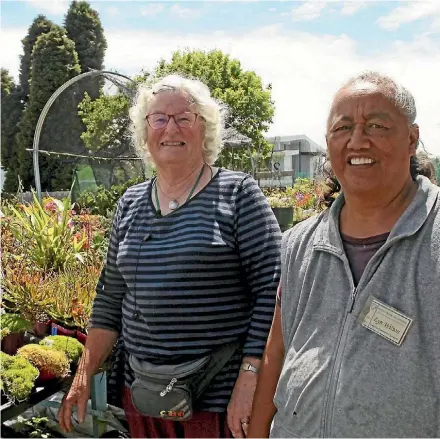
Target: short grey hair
[
  {"x": 199, "y": 94},
  {"x": 392, "y": 90}
]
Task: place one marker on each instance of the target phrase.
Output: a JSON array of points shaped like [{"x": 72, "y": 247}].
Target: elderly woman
[
  {"x": 190, "y": 278},
  {"x": 354, "y": 348}
]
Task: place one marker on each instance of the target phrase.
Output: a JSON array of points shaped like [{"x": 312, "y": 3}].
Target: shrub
[
  {"x": 103, "y": 201},
  {"x": 70, "y": 346},
  {"x": 14, "y": 323},
  {"x": 45, "y": 358},
  {"x": 17, "y": 376}
]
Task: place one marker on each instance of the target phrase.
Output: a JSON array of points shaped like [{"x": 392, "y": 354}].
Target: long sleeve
[
  {"x": 258, "y": 238},
  {"x": 111, "y": 287}
]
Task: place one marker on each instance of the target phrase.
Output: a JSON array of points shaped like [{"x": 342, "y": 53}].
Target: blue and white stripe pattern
[{"x": 198, "y": 278}]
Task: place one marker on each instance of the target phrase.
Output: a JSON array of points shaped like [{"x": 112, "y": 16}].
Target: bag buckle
[{"x": 169, "y": 387}]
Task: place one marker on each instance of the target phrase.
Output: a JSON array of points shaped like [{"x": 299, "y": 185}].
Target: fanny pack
[{"x": 169, "y": 391}]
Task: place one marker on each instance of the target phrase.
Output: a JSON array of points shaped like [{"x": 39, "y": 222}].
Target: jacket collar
[{"x": 327, "y": 236}]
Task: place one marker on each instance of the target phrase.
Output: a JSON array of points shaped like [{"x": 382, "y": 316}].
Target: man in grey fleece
[{"x": 354, "y": 349}]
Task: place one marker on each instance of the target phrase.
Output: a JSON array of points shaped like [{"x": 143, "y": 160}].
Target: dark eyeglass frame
[{"x": 169, "y": 116}]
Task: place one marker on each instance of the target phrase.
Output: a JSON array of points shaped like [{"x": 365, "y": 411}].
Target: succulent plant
[
  {"x": 70, "y": 346},
  {"x": 46, "y": 359},
  {"x": 17, "y": 376}
]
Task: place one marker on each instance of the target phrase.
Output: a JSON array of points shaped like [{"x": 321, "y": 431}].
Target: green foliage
[
  {"x": 105, "y": 119},
  {"x": 33, "y": 427},
  {"x": 17, "y": 376},
  {"x": 54, "y": 61},
  {"x": 14, "y": 323},
  {"x": 45, "y": 358},
  {"x": 70, "y": 346},
  {"x": 84, "y": 27},
  {"x": 250, "y": 106},
  {"x": 10, "y": 116},
  {"x": 48, "y": 230},
  {"x": 41, "y": 25},
  {"x": 103, "y": 201}
]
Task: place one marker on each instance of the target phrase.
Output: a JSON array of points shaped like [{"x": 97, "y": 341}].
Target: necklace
[{"x": 174, "y": 203}]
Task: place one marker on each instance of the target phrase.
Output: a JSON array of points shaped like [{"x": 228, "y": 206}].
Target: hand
[
  {"x": 240, "y": 405},
  {"x": 78, "y": 395}
]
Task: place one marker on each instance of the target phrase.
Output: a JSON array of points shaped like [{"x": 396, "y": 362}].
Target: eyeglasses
[{"x": 158, "y": 121}]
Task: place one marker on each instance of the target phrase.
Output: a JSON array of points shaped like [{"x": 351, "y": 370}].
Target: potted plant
[
  {"x": 282, "y": 203},
  {"x": 70, "y": 346},
  {"x": 25, "y": 292},
  {"x": 50, "y": 362},
  {"x": 16, "y": 326},
  {"x": 17, "y": 376},
  {"x": 72, "y": 304}
]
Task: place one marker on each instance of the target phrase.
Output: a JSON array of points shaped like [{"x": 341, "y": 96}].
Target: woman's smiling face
[
  {"x": 174, "y": 144},
  {"x": 370, "y": 142}
]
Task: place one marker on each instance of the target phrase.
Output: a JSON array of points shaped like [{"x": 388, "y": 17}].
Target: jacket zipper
[{"x": 334, "y": 376}]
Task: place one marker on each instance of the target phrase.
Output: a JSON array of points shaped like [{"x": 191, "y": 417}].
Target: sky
[{"x": 304, "y": 49}]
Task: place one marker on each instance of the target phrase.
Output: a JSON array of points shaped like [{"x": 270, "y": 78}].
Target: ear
[{"x": 413, "y": 138}]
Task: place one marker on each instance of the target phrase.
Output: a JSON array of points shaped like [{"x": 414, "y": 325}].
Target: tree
[
  {"x": 250, "y": 106},
  {"x": 106, "y": 120},
  {"x": 84, "y": 27},
  {"x": 54, "y": 61},
  {"x": 12, "y": 108},
  {"x": 40, "y": 25}
]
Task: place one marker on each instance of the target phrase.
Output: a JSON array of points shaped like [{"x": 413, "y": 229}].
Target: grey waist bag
[{"x": 169, "y": 391}]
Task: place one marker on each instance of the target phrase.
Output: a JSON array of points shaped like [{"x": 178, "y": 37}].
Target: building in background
[{"x": 292, "y": 157}]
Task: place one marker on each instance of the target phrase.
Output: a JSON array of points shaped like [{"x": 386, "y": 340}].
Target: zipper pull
[{"x": 352, "y": 299}]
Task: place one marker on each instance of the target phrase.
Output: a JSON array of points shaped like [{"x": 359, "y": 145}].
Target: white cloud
[
  {"x": 352, "y": 7},
  {"x": 410, "y": 12},
  {"x": 272, "y": 9},
  {"x": 304, "y": 70},
  {"x": 152, "y": 9},
  {"x": 308, "y": 11},
  {"x": 184, "y": 13},
  {"x": 56, "y": 7}
]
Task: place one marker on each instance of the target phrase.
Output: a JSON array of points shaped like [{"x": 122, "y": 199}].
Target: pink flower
[{"x": 50, "y": 206}]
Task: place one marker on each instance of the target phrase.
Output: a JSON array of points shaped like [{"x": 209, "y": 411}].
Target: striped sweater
[{"x": 200, "y": 277}]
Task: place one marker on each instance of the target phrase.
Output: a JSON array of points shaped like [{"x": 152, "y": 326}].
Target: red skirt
[{"x": 201, "y": 425}]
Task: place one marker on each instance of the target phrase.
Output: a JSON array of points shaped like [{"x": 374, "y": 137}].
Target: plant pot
[
  {"x": 284, "y": 216},
  {"x": 45, "y": 375},
  {"x": 82, "y": 338},
  {"x": 12, "y": 342},
  {"x": 41, "y": 329},
  {"x": 61, "y": 330}
]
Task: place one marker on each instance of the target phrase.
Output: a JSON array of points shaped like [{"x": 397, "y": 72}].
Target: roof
[
  {"x": 231, "y": 137},
  {"x": 307, "y": 144}
]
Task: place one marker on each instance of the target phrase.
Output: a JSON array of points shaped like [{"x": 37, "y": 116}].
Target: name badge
[{"x": 385, "y": 321}]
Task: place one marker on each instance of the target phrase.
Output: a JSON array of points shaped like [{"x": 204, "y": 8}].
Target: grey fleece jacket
[{"x": 340, "y": 379}]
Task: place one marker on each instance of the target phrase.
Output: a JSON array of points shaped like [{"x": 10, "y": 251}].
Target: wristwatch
[{"x": 247, "y": 367}]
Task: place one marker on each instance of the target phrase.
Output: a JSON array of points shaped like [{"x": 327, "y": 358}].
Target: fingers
[
  {"x": 81, "y": 407},
  {"x": 235, "y": 425},
  {"x": 69, "y": 401},
  {"x": 65, "y": 416}
]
